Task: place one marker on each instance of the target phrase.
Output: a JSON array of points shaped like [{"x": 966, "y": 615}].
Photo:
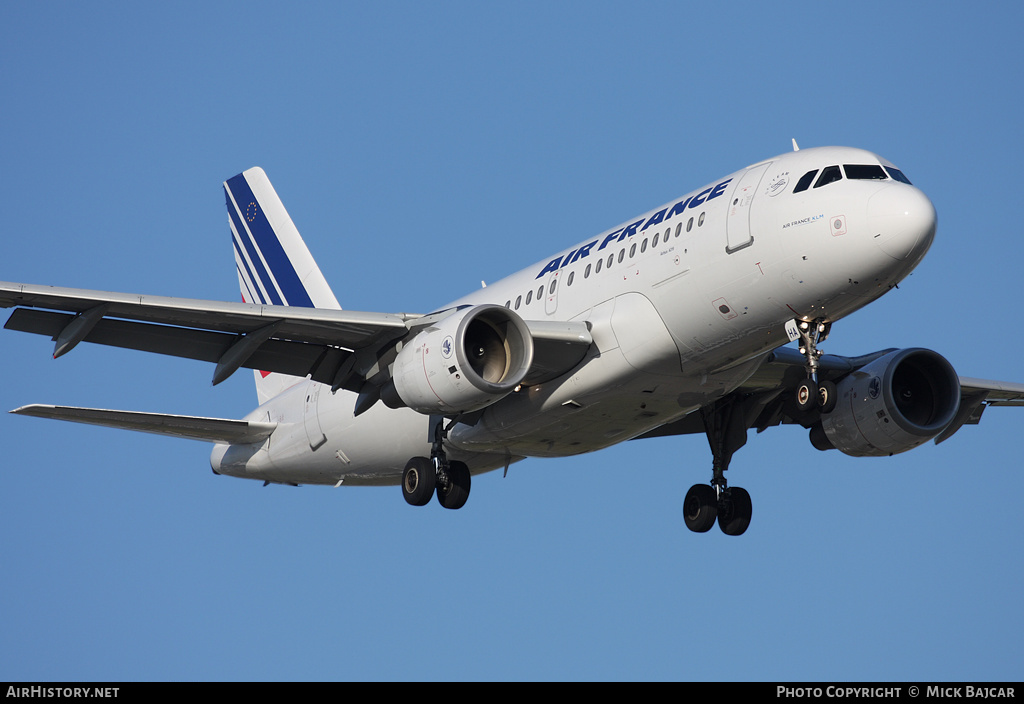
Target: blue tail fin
[{"x": 274, "y": 265}]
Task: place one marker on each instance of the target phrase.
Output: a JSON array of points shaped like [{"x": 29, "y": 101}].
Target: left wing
[
  {"x": 345, "y": 349},
  {"x": 288, "y": 339}
]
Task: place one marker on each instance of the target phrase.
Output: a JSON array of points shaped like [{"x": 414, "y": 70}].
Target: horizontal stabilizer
[{"x": 192, "y": 427}]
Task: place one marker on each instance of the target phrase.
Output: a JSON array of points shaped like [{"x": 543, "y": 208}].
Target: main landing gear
[
  {"x": 423, "y": 477},
  {"x": 730, "y": 506},
  {"x": 725, "y": 423}
]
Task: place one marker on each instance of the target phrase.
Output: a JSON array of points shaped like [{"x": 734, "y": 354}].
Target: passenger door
[{"x": 737, "y": 223}]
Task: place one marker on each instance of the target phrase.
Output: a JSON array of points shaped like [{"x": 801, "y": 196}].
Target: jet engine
[
  {"x": 462, "y": 363},
  {"x": 895, "y": 403}
]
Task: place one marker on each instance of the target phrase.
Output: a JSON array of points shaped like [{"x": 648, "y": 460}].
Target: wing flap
[{"x": 222, "y": 430}]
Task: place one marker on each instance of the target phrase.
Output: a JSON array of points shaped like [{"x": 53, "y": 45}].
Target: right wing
[{"x": 766, "y": 398}]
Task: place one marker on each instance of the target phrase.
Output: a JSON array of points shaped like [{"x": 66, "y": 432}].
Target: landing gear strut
[
  {"x": 725, "y": 423},
  {"x": 813, "y": 392},
  {"x": 449, "y": 479}
]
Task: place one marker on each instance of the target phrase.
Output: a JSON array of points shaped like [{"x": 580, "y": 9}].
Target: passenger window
[
  {"x": 540, "y": 292},
  {"x": 679, "y": 228},
  {"x": 586, "y": 272},
  {"x": 610, "y": 258},
  {"x": 805, "y": 181},
  {"x": 551, "y": 288},
  {"x": 632, "y": 250},
  {"x": 622, "y": 255},
  {"x": 508, "y": 303},
  {"x": 567, "y": 283},
  {"x": 700, "y": 221},
  {"x": 864, "y": 172},
  {"x": 898, "y": 175},
  {"x": 689, "y": 225},
  {"x": 829, "y": 175},
  {"x": 529, "y": 297},
  {"x": 519, "y": 299},
  {"x": 597, "y": 269},
  {"x": 655, "y": 242}
]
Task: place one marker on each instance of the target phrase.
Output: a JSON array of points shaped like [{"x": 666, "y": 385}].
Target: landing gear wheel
[
  {"x": 418, "y": 481},
  {"x": 807, "y": 395},
  {"x": 700, "y": 507},
  {"x": 827, "y": 396},
  {"x": 734, "y": 511},
  {"x": 456, "y": 492}
]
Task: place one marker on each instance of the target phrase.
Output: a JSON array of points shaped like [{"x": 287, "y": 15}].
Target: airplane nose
[{"x": 902, "y": 221}]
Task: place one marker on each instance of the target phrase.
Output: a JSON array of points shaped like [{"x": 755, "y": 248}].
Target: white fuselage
[{"x": 683, "y": 304}]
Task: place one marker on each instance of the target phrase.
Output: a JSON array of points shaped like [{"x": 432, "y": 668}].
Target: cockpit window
[
  {"x": 864, "y": 172},
  {"x": 898, "y": 175},
  {"x": 828, "y": 175},
  {"x": 805, "y": 181}
]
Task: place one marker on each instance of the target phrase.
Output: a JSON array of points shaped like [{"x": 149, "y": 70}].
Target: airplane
[{"x": 673, "y": 322}]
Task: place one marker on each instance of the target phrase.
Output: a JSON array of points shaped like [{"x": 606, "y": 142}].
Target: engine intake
[
  {"x": 463, "y": 363},
  {"x": 892, "y": 405}
]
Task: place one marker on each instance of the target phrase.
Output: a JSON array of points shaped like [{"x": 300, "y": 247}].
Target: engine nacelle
[
  {"x": 463, "y": 363},
  {"x": 892, "y": 405}
]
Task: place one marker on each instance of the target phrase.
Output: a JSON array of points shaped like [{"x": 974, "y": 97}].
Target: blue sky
[{"x": 420, "y": 148}]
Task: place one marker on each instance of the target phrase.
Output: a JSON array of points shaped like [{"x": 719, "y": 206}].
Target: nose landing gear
[{"x": 812, "y": 393}]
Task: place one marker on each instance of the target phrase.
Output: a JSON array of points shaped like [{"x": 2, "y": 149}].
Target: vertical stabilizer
[{"x": 273, "y": 263}]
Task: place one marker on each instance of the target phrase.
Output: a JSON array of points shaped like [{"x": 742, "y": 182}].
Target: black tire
[
  {"x": 458, "y": 486},
  {"x": 827, "y": 396},
  {"x": 700, "y": 507},
  {"x": 418, "y": 481},
  {"x": 735, "y": 511},
  {"x": 807, "y": 395}
]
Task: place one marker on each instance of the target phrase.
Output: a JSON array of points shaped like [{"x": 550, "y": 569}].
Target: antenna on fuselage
[{"x": 795, "y": 147}]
